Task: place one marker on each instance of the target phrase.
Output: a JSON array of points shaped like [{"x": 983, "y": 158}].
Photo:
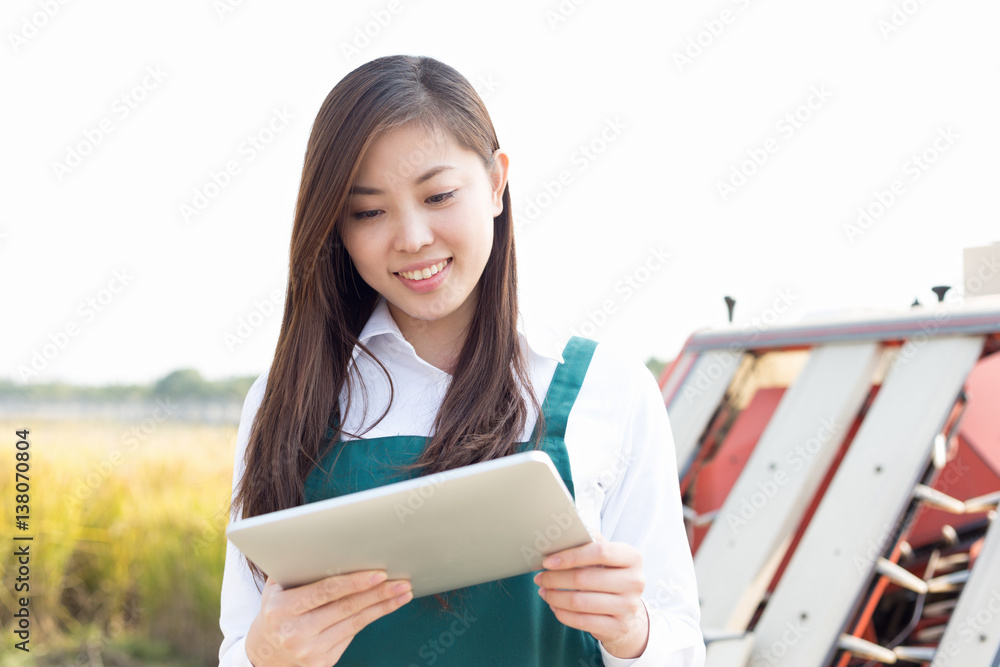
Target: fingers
[
  {"x": 600, "y": 552},
  {"x": 587, "y": 602},
  {"x": 360, "y": 609},
  {"x": 598, "y": 588},
  {"x": 380, "y": 605},
  {"x": 619, "y": 581},
  {"x": 313, "y": 624},
  {"x": 303, "y": 599},
  {"x": 337, "y": 587},
  {"x": 617, "y": 620},
  {"x": 599, "y": 625},
  {"x": 624, "y": 636}
]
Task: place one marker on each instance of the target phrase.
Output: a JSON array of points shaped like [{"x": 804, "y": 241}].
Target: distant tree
[
  {"x": 181, "y": 383},
  {"x": 235, "y": 387},
  {"x": 656, "y": 366}
]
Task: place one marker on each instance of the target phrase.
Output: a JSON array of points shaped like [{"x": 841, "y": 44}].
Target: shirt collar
[{"x": 543, "y": 342}]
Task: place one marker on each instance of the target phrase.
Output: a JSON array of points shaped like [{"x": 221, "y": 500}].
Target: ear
[{"x": 498, "y": 179}]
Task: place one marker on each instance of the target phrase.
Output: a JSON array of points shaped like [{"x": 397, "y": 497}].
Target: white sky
[{"x": 550, "y": 88}]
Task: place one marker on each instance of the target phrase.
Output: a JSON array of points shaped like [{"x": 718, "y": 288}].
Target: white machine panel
[
  {"x": 836, "y": 558},
  {"x": 729, "y": 652},
  {"x": 695, "y": 402},
  {"x": 752, "y": 530}
]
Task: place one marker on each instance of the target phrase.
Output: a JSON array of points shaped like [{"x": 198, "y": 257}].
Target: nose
[{"x": 412, "y": 231}]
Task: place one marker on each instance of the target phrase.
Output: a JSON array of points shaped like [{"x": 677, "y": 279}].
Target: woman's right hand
[{"x": 312, "y": 625}]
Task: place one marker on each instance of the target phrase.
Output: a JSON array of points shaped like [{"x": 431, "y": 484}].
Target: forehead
[{"x": 408, "y": 150}]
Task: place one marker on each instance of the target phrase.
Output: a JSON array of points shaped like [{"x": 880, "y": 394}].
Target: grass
[{"x": 128, "y": 542}]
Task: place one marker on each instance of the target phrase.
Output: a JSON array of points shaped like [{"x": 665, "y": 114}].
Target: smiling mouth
[{"x": 424, "y": 274}]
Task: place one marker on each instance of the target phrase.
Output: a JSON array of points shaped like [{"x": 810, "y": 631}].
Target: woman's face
[{"x": 419, "y": 223}]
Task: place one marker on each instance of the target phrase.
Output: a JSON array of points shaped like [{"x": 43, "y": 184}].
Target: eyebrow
[{"x": 424, "y": 177}]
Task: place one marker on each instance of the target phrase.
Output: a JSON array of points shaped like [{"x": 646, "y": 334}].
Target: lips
[
  {"x": 423, "y": 285},
  {"x": 418, "y": 273}
]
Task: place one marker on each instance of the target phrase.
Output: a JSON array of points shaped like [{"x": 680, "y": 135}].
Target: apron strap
[
  {"x": 565, "y": 385},
  {"x": 559, "y": 399}
]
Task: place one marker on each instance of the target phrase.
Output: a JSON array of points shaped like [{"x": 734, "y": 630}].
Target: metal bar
[
  {"x": 733, "y": 652},
  {"x": 968, "y": 320},
  {"x": 982, "y": 503},
  {"x": 948, "y": 582},
  {"x": 914, "y": 653},
  {"x": 861, "y": 648},
  {"x": 900, "y": 576},
  {"x": 938, "y": 499}
]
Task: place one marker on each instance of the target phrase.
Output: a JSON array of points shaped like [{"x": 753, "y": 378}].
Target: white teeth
[{"x": 423, "y": 274}]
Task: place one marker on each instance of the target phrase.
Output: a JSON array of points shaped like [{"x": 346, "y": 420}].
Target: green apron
[{"x": 499, "y": 623}]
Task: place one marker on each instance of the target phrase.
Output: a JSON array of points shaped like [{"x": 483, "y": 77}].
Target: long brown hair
[{"x": 327, "y": 303}]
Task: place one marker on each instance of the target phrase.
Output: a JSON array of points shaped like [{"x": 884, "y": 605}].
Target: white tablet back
[{"x": 458, "y": 528}]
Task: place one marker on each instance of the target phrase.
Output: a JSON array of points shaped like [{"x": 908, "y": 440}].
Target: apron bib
[{"x": 499, "y": 623}]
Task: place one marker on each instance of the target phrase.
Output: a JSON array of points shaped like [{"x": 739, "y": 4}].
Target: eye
[
  {"x": 365, "y": 215},
  {"x": 441, "y": 198}
]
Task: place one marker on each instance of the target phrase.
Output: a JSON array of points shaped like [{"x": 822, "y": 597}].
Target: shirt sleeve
[
  {"x": 644, "y": 509},
  {"x": 240, "y": 601}
]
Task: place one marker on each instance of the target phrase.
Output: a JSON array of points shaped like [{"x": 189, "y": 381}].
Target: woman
[{"x": 401, "y": 354}]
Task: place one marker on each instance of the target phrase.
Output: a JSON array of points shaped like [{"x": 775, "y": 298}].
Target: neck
[{"x": 438, "y": 342}]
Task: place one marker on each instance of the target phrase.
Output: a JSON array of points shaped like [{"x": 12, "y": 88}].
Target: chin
[{"x": 431, "y": 309}]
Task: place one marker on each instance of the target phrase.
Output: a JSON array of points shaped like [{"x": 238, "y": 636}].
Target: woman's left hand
[{"x": 598, "y": 588}]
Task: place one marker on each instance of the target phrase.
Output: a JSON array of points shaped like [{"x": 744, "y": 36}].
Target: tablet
[{"x": 456, "y": 528}]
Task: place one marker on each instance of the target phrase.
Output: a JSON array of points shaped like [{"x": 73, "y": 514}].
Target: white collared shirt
[{"x": 621, "y": 454}]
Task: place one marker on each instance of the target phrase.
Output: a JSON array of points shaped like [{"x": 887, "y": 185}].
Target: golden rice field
[{"x": 128, "y": 542}]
